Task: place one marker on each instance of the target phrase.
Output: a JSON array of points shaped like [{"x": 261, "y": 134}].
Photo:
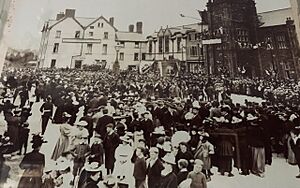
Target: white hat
[
  {"x": 75, "y": 103},
  {"x": 93, "y": 167},
  {"x": 236, "y": 120},
  {"x": 250, "y": 117},
  {"x": 82, "y": 123},
  {"x": 62, "y": 165},
  {"x": 169, "y": 158}
]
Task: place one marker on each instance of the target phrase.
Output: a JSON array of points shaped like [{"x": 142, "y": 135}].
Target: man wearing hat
[
  {"x": 169, "y": 179},
  {"x": 47, "y": 112},
  {"x": 111, "y": 142},
  {"x": 33, "y": 163},
  {"x": 102, "y": 122},
  {"x": 154, "y": 168},
  {"x": 94, "y": 169}
]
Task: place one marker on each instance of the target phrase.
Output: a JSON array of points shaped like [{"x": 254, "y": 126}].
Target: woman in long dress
[
  {"x": 33, "y": 163},
  {"x": 63, "y": 142}
]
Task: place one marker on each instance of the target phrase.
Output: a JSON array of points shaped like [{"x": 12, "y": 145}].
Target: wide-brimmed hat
[
  {"x": 37, "y": 139},
  {"x": 62, "y": 165},
  {"x": 93, "y": 167},
  {"x": 82, "y": 123},
  {"x": 125, "y": 138},
  {"x": 236, "y": 120},
  {"x": 250, "y": 117},
  {"x": 169, "y": 158}
]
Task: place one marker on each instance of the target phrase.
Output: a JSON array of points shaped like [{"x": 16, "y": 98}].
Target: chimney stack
[
  {"x": 139, "y": 27},
  {"x": 60, "y": 15},
  {"x": 111, "y": 21},
  {"x": 131, "y": 28},
  {"x": 70, "y": 13}
]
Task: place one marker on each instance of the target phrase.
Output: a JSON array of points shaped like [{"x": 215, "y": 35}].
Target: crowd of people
[{"x": 128, "y": 129}]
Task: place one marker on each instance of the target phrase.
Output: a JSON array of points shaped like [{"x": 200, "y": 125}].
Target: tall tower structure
[{"x": 236, "y": 23}]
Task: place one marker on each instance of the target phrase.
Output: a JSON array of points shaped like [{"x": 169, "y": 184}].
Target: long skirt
[
  {"x": 30, "y": 182},
  {"x": 61, "y": 146},
  {"x": 258, "y": 160},
  {"x": 225, "y": 164},
  {"x": 291, "y": 155}
]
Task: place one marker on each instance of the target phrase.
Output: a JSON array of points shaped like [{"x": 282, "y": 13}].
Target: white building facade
[{"x": 73, "y": 42}]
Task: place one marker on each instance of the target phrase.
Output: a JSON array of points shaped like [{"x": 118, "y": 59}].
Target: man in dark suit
[
  {"x": 102, "y": 122},
  {"x": 139, "y": 171},
  {"x": 154, "y": 168},
  {"x": 47, "y": 112}
]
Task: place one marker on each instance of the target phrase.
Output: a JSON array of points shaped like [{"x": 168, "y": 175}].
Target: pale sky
[{"x": 30, "y": 15}]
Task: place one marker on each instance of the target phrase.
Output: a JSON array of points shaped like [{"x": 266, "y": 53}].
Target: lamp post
[{"x": 116, "y": 65}]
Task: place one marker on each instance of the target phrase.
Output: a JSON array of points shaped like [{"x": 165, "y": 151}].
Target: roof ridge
[{"x": 274, "y": 10}]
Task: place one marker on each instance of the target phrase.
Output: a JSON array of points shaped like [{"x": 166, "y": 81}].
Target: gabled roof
[
  {"x": 177, "y": 29},
  {"x": 101, "y": 17},
  {"x": 275, "y": 17},
  {"x": 83, "y": 22},
  {"x": 130, "y": 36},
  {"x": 61, "y": 20}
]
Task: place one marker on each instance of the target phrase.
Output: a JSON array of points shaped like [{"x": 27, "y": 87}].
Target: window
[
  {"x": 160, "y": 44},
  {"x": 143, "y": 56},
  {"x": 77, "y": 34},
  {"x": 105, "y": 35},
  {"x": 89, "y": 48},
  {"x": 92, "y": 27},
  {"x": 53, "y": 62},
  {"x": 91, "y": 34},
  {"x": 99, "y": 24},
  {"x": 281, "y": 42},
  {"x": 104, "y": 49},
  {"x": 55, "y": 48},
  {"x": 178, "y": 44},
  {"x": 136, "y": 44},
  {"x": 150, "y": 47},
  {"x": 58, "y": 34},
  {"x": 102, "y": 25},
  {"x": 193, "y": 51},
  {"x": 167, "y": 43},
  {"x": 136, "y": 57},
  {"x": 121, "y": 56},
  {"x": 122, "y": 44}
]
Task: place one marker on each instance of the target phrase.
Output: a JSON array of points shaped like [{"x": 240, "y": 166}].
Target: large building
[
  {"x": 295, "y": 5},
  {"x": 235, "y": 22},
  {"x": 70, "y": 41},
  {"x": 278, "y": 45},
  {"x": 179, "y": 43}
]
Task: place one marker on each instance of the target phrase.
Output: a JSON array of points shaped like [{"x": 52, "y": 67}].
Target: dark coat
[
  {"x": 140, "y": 167},
  {"x": 110, "y": 143},
  {"x": 154, "y": 174},
  {"x": 168, "y": 181},
  {"x": 33, "y": 163},
  {"x": 181, "y": 176},
  {"x": 102, "y": 122}
]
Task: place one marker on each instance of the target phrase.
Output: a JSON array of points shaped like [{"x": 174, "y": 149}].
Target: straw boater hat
[
  {"x": 169, "y": 158},
  {"x": 236, "y": 120},
  {"x": 250, "y": 117},
  {"x": 93, "y": 167},
  {"x": 82, "y": 123}
]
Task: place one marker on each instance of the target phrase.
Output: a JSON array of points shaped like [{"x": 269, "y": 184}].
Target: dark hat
[{"x": 37, "y": 140}]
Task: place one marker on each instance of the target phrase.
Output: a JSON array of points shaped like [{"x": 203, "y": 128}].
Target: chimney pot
[
  {"x": 70, "y": 13},
  {"x": 131, "y": 28},
  {"x": 60, "y": 15},
  {"x": 139, "y": 27},
  {"x": 111, "y": 21}
]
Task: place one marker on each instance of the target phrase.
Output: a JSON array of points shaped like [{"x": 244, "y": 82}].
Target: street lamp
[{"x": 116, "y": 65}]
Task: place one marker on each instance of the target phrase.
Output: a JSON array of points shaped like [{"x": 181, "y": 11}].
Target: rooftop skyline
[{"x": 30, "y": 15}]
